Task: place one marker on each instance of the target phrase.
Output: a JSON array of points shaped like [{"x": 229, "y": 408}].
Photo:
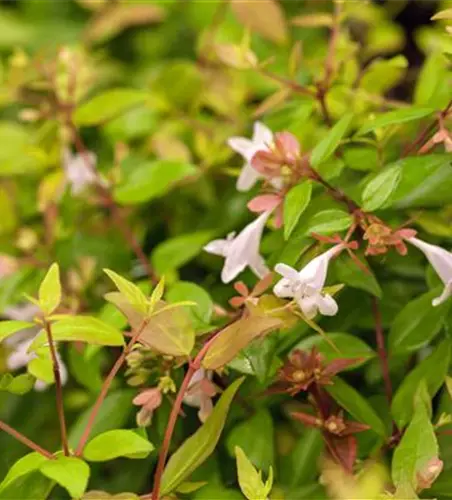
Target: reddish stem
[
  {"x": 193, "y": 366},
  {"x": 58, "y": 389},
  {"x": 381, "y": 349},
  {"x": 24, "y": 440},
  {"x": 105, "y": 388}
]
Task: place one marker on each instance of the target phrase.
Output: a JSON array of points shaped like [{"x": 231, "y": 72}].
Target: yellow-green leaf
[
  {"x": 198, "y": 447},
  {"x": 129, "y": 290},
  {"x": 250, "y": 481},
  {"x": 69, "y": 472},
  {"x": 50, "y": 290},
  {"x": 295, "y": 203},
  {"x": 117, "y": 443}
]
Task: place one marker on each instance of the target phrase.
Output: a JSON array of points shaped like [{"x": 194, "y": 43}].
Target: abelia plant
[{"x": 224, "y": 265}]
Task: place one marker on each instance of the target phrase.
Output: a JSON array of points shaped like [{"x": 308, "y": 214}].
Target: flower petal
[
  {"x": 259, "y": 267},
  {"x": 240, "y": 145},
  {"x": 327, "y": 305},
  {"x": 247, "y": 178},
  {"x": 218, "y": 247},
  {"x": 262, "y": 134},
  {"x": 309, "y": 305},
  {"x": 286, "y": 271},
  {"x": 446, "y": 293},
  {"x": 439, "y": 258}
]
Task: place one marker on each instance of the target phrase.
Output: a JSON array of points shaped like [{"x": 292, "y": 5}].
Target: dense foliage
[{"x": 224, "y": 264}]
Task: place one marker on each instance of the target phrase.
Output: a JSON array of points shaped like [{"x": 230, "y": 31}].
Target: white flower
[
  {"x": 306, "y": 285},
  {"x": 262, "y": 140},
  {"x": 242, "y": 250},
  {"x": 200, "y": 393},
  {"x": 18, "y": 344},
  {"x": 78, "y": 173},
  {"x": 441, "y": 260}
]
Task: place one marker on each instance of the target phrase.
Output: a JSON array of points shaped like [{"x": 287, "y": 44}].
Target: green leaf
[
  {"x": 382, "y": 74},
  {"x": 432, "y": 76},
  {"x": 8, "y": 328},
  {"x": 328, "y": 222},
  {"x": 17, "y": 385},
  {"x": 250, "y": 481},
  {"x": 358, "y": 407},
  {"x": 236, "y": 336},
  {"x": 433, "y": 370},
  {"x": 328, "y": 145},
  {"x": 23, "y": 466},
  {"x": 302, "y": 460},
  {"x": 425, "y": 181},
  {"x": 9, "y": 220},
  {"x": 349, "y": 273},
  {"x": 117, "y": 443},
  {"x": 152, "y": 179},
  {"x": 395, "y": 118},
  {"x": 157, "y": 294},
  {"x": 417, "y": 324},
  {"x": 259, "y": 447},
  {"x": 414, "y": 452},
  {"x": 175, "y": 252},
  {"x": 81, "y": 329},
  {"x": 198, "y": 447},
  {"x": 187, "y": 291},
  {"x": 349, "y": 346},
  {"x": 380, "y": 188},
  {"x": 295, "y": 203},
  {"x": 129, "y": 290},
  {"x": 50, "y": 290},
  {"x": 108, "y": 105},
  {"x": 69, "y": 472},
  {"x": 33, "y": 485}
]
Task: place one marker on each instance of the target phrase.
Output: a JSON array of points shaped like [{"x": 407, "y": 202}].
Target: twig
[
  {"x": 193, "y": 367},
  {"x": 24, "y": 440},
  {"x": 381, "y": 349},
  {"x": 294, "y": 86},
  {"x": 105, "y": 388},
  {"x": 58, "y": 388}
]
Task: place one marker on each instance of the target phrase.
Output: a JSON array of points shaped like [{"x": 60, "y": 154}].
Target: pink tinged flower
[
  {"x": 149, "y": 400},
  {"x": 242, "y": 250},
  {"x": 264, "y": 202},
  {"x": 441, "y": 260},
  {"x": 262, "y": 140},
  {"x": 306, "y": 286},
  {"x": 200, "y": 392},
  {"x": 80, "y": 170}
]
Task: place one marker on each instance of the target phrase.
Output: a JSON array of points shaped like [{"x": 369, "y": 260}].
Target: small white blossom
[
  {"x": 79, "y": 174},
  {"x": 441, "y": 260},
  {"x": 306, "y": 285},
  {"x": 262, "y": 139},
  {"x": 242, "y": 250},
  {"x": 200, "y": 393},
  {"x": 18, "y": 344}
]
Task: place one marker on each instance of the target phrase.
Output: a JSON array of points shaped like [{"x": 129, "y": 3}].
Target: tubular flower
[
  {"x": 149, "y": 400},
  {"x": 200, "y": 392},
  {"x": 441, "y": 260},
  {"x": 242, "y": 250},
  {"x": 261, "y": 140},
  {"x": 306, "y": 286},
  {"x": 79, "y": 175}
]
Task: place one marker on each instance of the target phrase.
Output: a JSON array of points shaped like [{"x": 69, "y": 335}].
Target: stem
[
  {"x": 58, "y": 389},
  {"x": 294, "y": 86},
  {"x": 381, "y": 349},
  {"x": 115, "y": 210},
  {"x": 105, "y": 388},
  {"x": 175, "y": 410},
  {"x": 24, "y": 440}
]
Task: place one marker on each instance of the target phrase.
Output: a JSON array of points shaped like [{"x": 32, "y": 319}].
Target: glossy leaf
[
  {"x": 17, "y": 385},
  {"x": 414, "y": 452},
  {"x": 358, "y": 407},
  {"x": 349, "y": 273},
  {"x": 69, "y": 472},
  {"x": 433, "y": 370},
  {"x": 198, "y": 447},
  {"x": 175, "y": 252},
  {"x": 328, "y": 145},
  {"x": 328, "y": 222},
  {"x": 250, "y": 481},
  {"x": 295, "y": 203},
  {"x": 152, "y": 179},
  {"x": 131, "y": 292},
  {"x": 380, "y": 188},
  {"x": 117, "y": 443},
  {"x": 108, "y": 105},
  {"x": 395, "y": 118},
  {"x": 10, "y": 327},
  {"x": 349, "y": 346},
  {"x": 50, "y": 290},
  {"x": 417, "y": 324},
  {"x": 83, "y": 329},
  {"x": 22, "y": 467},
  {"x": 187, "y": 291}
]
